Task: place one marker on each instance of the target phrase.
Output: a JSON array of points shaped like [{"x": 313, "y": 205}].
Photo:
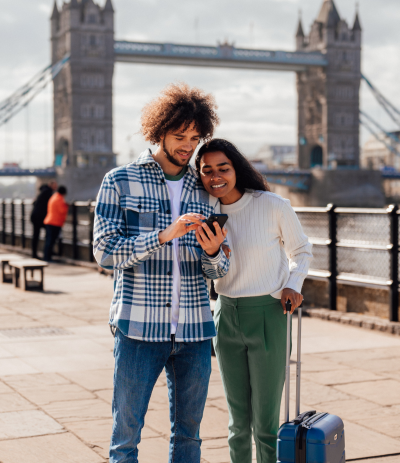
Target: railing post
[
  {"x": 91, "y": 226},
  {"x": 75, "y": 231},
  {"x": 23, "y": 224},
  {"x": 394, "y": 263},
  {"x": 12, "y": 223},
  {"x": 3, "y": 220},
  {"x": 332, "y": 220}
]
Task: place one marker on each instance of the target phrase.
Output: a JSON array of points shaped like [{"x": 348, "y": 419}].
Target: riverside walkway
[{"x": 56, "y": 368}]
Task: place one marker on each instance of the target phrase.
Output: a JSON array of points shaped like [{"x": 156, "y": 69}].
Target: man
[
  {"x": 145, "y": 219},
  {"x": 57, "y": 211},
  {"x": 39, "y": 212}
]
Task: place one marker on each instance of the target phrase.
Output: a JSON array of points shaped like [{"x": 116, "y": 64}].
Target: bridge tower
[
  {"x": 83, "y": 138},
  {"x": 328, "y": 99}
]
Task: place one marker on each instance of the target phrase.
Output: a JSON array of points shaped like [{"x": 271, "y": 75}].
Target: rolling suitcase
[{"x": 311, "y": 437}]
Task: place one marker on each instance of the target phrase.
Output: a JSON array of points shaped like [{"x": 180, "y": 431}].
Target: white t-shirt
[{"x": 175, "y": 192}]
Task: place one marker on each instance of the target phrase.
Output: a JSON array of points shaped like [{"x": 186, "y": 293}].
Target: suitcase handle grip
[
  {"x": 304, "y": 416},
  {"x": 298, "y": 363}
]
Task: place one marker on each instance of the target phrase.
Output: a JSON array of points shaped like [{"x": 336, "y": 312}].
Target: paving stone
[
  {"x": 93, "y": 380},
  {"x": 10, "y": 402},
  {"x": 357, "y": 356},
  {"x": 6, "y": 311},
  {"x": 312, "y": 363},
  {"x": 216, "y": 391},
  {"x": 62, "y": 448},
  {"x": 385, "y": 392},
  {"x": 387, "y": 423},
  {"x": 55, "y": 393},
  {"x": 159, "y": 399},
  {"x": 154, "y": 450},
  {"x": 26, "y": 423},
  {"x": 314, "y": 394},
  {"x": 320, "y": 337},
  {"x": 93, "y": 431},
  {"x": 78, "y": 410},
  {"x": 214, "y": 423},
  {"x": 380, "y": 365},
  {"x": 362, "y": 442},
  {"x": 392, "y": 459},
  {"x": 34, "y": 381},
  {"x": 5, "y": 353},
  {"x": 219, "y": 403},
  {"x": 67, "y": 363},
  {"x": 16, "y": 320},
  {"x": 158, "y": 420},
  {"x": 350, "y": 375},
  {"x": 354, "y": 409},
  {"x": 14, "y": 366},
  {"x": 55, "y": 347},
  {"x": 4, "y": 388},
  {"x": 106, "y": 395},
  {"x": 215, "y": 451}
]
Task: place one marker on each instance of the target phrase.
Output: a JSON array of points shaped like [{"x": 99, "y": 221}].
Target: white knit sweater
[{"x": 270, "y": 252}]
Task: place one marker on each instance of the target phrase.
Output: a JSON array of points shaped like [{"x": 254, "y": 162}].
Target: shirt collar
[{"x": 147, "y": 158}]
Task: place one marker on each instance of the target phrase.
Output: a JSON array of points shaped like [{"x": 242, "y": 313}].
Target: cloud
[{"x": 256, "y": 107}]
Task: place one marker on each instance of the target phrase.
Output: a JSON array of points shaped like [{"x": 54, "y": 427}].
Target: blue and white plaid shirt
[{"x": 133, "y": 206}]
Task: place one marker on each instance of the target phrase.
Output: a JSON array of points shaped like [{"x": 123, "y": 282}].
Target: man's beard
[{"x": 171, "y": 159}]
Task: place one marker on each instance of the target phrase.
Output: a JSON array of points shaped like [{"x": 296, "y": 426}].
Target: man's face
[{"x": 180, "y": 145}]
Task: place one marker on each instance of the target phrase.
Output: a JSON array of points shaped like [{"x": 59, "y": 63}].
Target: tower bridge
[{"x": 326, "y": 61}]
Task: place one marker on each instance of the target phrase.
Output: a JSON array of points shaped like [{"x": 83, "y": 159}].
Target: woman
[{"x": 269, "y": 261}]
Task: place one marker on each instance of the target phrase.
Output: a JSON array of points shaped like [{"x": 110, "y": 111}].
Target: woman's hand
[
  {"x": 293, "y": 296},
  {"x": 227, "y": 250},
  {"x": 179, "y": 227},
  {"x": 207, "y": 240}
]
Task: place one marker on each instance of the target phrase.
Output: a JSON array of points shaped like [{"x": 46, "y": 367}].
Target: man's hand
[
  {"x": 207, "y": 240},
  {"x": 179, "y": 227},
  {"x": 295, "y": 298}
]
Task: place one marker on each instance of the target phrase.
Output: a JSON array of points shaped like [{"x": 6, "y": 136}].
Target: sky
[{"x": 255, "y": 107}]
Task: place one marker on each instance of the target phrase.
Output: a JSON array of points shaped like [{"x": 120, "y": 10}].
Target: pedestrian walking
[
  {"x": 269, "y": 261},
  {"x": 57, "y": 212},
  {"x": 39, "y": 213},
  {"x": 145, "y": 216}
]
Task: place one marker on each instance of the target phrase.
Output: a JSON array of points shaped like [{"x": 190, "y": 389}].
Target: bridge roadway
[
  {"x": 56, "y": 370},
  {"x": 222, "y": 56}
]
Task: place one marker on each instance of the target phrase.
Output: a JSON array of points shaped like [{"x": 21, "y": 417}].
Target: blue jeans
[
  {"x": 52, "y": 233},
  {"x": 138, "y": 364}
]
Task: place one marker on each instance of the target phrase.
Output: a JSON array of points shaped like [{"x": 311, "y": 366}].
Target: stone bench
[
  {"x": 6, "y": 277},
  {"x": 19, "y": 272}
]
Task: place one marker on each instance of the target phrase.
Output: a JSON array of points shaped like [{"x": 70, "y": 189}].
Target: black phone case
[{"x": 220, "y": 218}]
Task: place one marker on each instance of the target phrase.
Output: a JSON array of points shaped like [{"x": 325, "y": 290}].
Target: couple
[{"x": 149, "y": 228}]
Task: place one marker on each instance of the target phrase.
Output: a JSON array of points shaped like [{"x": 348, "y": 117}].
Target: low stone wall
[
  {"x": 343, "y": 187},
  {"x": 365, "y": 300}
]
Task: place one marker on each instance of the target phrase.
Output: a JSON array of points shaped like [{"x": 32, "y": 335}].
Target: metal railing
[
  {"x": 76, "y": 239},
  {"x": 354, "y": 245},
  {"x": 350, "y": 245}
]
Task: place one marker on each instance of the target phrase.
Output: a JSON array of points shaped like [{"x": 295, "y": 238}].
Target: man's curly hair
[{"x": 177, "y": 106}]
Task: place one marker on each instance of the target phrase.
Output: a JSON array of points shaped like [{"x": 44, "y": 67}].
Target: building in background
[
  {"x": 380, "y": 155},
  {"x": 83, "y": 95},
  {"x": 328, "y": 108},
  {"x": 276, "y": 157}
]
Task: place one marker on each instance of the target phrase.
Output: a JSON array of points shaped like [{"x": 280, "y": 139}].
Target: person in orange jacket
[{"x": 57, "y": 210}]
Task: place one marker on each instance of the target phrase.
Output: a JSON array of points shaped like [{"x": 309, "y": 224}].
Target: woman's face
[{"x": 218, "y": 175}]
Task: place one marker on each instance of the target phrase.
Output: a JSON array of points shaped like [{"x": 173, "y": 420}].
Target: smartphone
[{"x": 220, "y": 218}]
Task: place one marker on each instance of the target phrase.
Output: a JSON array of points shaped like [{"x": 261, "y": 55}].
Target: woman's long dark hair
[{"x": 247, "y": 177}]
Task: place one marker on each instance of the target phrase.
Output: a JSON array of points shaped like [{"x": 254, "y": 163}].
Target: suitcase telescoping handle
[{"x": 298, "y": 363}]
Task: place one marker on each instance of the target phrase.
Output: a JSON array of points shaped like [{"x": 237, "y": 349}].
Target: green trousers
[{"x": 251, "y": 353}]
